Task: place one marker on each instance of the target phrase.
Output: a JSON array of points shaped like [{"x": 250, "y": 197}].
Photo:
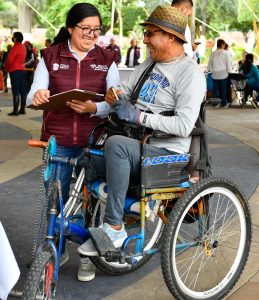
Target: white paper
[{"x": 9, "y": 270}]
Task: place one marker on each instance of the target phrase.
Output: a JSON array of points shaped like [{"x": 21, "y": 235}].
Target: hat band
[{"x": 166, "y": 24}]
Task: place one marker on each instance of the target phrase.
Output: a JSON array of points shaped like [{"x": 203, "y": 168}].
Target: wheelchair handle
[{"x": 37, "y": 143}]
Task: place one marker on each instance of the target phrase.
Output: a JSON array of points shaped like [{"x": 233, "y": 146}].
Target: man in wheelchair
[{"x": 164, "y": 93}]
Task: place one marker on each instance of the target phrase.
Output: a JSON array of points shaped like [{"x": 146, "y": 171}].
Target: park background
[{"x": 234, "y": 21}]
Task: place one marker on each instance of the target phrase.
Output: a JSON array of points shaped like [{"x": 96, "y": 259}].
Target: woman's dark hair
[
  {"x": 247, "y": 65},
  {"x": 18, "y": 36},
  {"x": 220, "y": 43},
  {"x": 77, "y": 13}
]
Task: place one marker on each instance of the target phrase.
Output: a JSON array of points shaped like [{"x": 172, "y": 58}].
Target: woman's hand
[
  {"x": 82, "y": 107},
  {"x": 110, "y": 97},
  {"x": 40, "y": 97}
]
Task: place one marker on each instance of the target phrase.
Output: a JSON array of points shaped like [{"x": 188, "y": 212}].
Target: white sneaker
[
  {"x": 216, "y": 106},
  {"x": 226, "y": 106},
  {"x": 116, "y": 236},
  {"x": 86, "y": 270}
]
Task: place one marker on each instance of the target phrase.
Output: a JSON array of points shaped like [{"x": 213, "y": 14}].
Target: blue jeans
[
  {"x": 122, "y": 160},
  {"x": 220, "y": 89},
  {"x": 18, "y": 83},
  {"x": 66, "y": 171}
]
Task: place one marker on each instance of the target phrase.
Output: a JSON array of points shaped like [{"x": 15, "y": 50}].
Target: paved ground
[{"x": 234, "y": 145}]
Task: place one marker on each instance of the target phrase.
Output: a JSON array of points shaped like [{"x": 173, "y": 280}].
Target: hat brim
[
  {"x": 179, "y": 35},
  {"x": 197, "y": 43}
]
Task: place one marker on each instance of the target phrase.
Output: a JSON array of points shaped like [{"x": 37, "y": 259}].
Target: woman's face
[
  {"x": 81, "y": 39},
  {"x": 133, "y": 43}
]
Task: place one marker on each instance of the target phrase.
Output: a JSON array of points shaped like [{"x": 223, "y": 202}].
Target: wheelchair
[
  {"x": 242, "y": 94},
  {"x": 201, "y": 224}
]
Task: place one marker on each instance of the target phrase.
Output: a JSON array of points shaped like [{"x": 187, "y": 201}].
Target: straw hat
[{"x": 169, "y": 19}]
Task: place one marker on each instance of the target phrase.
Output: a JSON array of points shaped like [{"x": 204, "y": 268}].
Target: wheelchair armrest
[
  {"x": 197, "y": 131},
  {"x": 163, "y": 135},
  {"x": 160, "y": 134}
]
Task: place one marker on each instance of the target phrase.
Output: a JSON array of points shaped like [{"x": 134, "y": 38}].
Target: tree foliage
[{"x": 8, "y": 14}]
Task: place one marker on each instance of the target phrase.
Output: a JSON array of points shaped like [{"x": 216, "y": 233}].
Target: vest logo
[
  {"x": 55, "y": 67},
  {"x": 103, "y": 68},
  {"x": 63, "y": 66}
]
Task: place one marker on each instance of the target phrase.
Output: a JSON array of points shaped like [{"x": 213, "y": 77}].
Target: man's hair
[
  {"x": 220, "y": 43},
  {"x": 176, "y": 2}
]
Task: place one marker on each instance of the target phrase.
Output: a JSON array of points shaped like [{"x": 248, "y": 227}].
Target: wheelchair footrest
[{"x": 101, "y": 241}]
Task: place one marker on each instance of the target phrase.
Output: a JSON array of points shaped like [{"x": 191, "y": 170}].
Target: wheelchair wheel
[
  {"x": 153, "y": 232},
  {"x": 205, "y": 258},
  {"x": 39, "y": 283}
]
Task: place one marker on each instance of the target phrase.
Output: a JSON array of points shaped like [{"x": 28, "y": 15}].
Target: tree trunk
[
  {"x": 193, "y": 19},
  {"x": 204, "y": 16},
  {"x": 24, "y": 18}
]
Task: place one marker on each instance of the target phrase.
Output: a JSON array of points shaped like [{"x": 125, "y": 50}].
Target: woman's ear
[{"x": 69, "y": 30}]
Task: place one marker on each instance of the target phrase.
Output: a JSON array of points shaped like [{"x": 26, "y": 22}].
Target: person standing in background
[
  {"x": 48, "y": 43},
  {"x": 196, "y": 54},
  {"x": 241, "y": 61},
  {"x": 133, "y": 54},
  {"x": 220, "y": 66},
  {"x": 15, "y": 66},
  {"x": 229, "y": 81},
  {"x": 5, "y": 73},
  {"x": 185, "y": 6},
  {"x": 114, "y": 48},
  {"x": 251, "y": 73},
  {"x": 29, "y": 65}
]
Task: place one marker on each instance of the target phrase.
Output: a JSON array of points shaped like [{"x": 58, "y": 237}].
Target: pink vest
[{"x": 65, "y": 73}]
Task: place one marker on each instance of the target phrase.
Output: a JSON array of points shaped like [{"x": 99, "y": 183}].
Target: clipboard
[{"x": 58, "y": 101}]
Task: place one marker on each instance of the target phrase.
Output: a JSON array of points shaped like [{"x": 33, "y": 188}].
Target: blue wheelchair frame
[{"x": 66, "y": 228}]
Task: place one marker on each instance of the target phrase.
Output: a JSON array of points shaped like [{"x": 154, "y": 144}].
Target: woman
[
  {"x": 220, "y": 65},
  {"x": 133, "y": 54},
  {"x": 15, "y": 66},
  {"x": 251, "y": 73},
  {"x": 74, "y": 61}
]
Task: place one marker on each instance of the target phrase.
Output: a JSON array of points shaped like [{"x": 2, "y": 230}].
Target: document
[
  {"x": 9, "y": 270},
  {"x": 58, "y": 101}
]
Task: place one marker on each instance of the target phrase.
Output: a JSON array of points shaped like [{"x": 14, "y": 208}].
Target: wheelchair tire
[
  {"x": 39, "y": 283},
  {"x": 205, "y": 258},
  {"x": 153, "y": 236}
]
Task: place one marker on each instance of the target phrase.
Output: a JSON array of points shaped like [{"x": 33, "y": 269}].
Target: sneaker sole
[
  {"x": 118, "y": 243},
  {"x": 64, "y": 261},
  {"x": 86, "y": 253},
  {"x": 84, "y": 278}
]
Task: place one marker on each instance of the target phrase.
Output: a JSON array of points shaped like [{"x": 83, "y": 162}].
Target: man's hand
[
  {"x": 126, "y": 111},
  {"x": 40, "y": 97},
  {"x": 82, "y": 107},
  {"x": 110, "y": 97}
]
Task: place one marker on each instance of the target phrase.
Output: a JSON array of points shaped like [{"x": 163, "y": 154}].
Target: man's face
[{"x": 158, "y": 43}]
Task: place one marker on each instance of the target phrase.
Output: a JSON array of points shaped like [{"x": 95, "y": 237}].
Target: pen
[{"x": 114, "y": 92}]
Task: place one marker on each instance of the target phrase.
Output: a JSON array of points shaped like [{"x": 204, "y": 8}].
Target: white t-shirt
[{"x": 220, "y": 64}]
